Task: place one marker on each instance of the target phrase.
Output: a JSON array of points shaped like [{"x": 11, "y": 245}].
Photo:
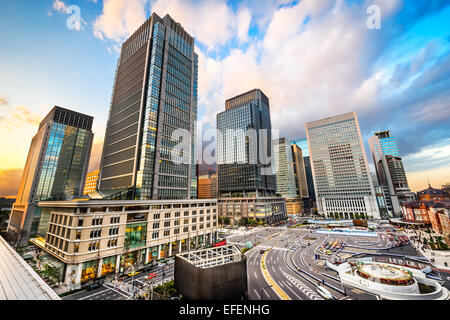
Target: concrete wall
[{"x": 228, "y": 281}]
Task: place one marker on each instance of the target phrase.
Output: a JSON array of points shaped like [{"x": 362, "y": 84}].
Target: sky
[{"x": 312, "y": 58}]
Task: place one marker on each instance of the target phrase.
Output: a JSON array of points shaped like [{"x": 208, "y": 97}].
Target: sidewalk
[{"x": 439, "y": 256}]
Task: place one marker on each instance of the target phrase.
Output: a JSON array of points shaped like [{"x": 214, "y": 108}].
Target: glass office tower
[
  {"x": 284, "y": 165},
  {"x": 55, "y": 169},
  {"x": 390, "y": 171},
  {"x": 243, "y": 155},
  {"x": 341, "y": 174},
  {"x": 155, "y": 93}
]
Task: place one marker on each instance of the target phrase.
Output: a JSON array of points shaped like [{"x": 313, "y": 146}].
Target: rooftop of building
[
  {"x": 246, "y": 97},
  {"x": 210, "y": 257},
  {"x": 430, "y": 191},
  {"x": 18, "y": 281},
  {"x": 427, "y": 204},
  {"x": 90, "y": 203}
]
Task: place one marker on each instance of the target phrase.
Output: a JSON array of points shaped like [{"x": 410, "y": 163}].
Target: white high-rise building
[{"x": 341, "y": 175}]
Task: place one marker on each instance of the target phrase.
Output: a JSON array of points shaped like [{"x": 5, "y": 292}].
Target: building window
[{"x": 135, "y": 235}]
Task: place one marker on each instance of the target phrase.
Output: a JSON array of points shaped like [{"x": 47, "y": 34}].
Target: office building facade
[
  {"x": 91, "y": 182},
  {"x": 55, "y": 168},
  {"x": 340, "y": 170},
  {"x": 98, "y": 237},
  {"x": 207, "y": 186},
  {"x": 154, "y": 94},
  {"x": 268, "y": 209},
  {"x": 310, "y": 202},
  {"x": 286, "y": 186},
  {"x": 298, "y": 164},
  {"x": 390, "y": 171},
  {"x": 244, "y": 147}
]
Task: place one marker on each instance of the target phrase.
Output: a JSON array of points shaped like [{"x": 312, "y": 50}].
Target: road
[{"x": 123, "y": 290}]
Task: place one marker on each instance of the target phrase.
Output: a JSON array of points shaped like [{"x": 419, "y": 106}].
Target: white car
[{"x": 325, "y": 293}]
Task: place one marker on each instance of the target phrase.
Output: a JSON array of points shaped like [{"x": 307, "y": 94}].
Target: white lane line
[
  {"x": 259, "y": 298},
  {"x": 290, "y": 289},
  {"x": 256, "y": 276},
  {"x": 94, "y": 294}
]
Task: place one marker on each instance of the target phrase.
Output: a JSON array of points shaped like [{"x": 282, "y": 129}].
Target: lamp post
[{"x": 262, "y": 291}]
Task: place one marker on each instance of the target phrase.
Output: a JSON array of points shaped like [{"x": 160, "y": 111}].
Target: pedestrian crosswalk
[{"x": 303, "y": 288}]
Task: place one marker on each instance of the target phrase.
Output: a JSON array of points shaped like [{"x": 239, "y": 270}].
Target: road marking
[
  {"x": 303, "y": 288},
  {"x": 269, "y": 279},
  {"x": 94, "y": 294},
  {"x": 117, "y": 291},
  {"x": 256, "y": 276},
  {"x": 259, "y": 298},
  {"x": 287, "y": 285}
]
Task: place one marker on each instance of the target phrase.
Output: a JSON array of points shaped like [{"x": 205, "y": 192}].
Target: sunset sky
[{"x": 312, "y": 58}]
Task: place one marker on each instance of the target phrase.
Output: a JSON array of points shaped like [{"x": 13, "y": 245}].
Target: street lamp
[{"x": 262, "y": 291}]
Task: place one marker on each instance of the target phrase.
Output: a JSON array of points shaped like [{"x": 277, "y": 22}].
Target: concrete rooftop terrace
[{"x": 18, "y": 281}]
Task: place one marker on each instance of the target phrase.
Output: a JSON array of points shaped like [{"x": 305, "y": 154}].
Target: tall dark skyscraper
[
  {"x": 155, "y": 93},
  {"x": 239, "y": 162},
  {"x": 55, "y": 169},
  {"x": 310, "y": 202},
  {"x": 390, "y": 171}
]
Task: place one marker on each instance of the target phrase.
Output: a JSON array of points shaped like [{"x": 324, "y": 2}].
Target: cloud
[
  {"x": 9, "y": 181},
  {"x": 429, "y": 157},
  {"x": 211, "y": 22},
  {"x": 119, "y": 19},
  {"x": 4, "y": 100},
  {"x": 60, "y": 6},
  {"x": 19, "y": 117}
]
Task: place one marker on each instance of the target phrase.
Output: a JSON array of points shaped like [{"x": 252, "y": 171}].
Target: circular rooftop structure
[{"x": 384, "y": 273}]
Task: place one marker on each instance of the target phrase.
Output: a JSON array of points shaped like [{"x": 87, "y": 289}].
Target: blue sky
[{"x": 313, "y": 58}]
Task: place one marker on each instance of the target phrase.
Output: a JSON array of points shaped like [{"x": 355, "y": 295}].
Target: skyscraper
[
  {"x": 390, "y": 171},
  {"x": 55, "y": 169},
  {"x": 244, "y": 134},
  {"x": 298, "y": 163},
  {"x": 284, "y": 168},
  {"x": 309, "y": 203},
  {"x": 154, "y": 94},
  {"x": 246, "y": 181},
  {"x": 341, "y": 174}
]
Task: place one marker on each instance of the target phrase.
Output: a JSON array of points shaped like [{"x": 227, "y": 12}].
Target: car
[
  {"x": 262, "y": 251},
  {"x": 94, "y": 286},
  {"x": 151, "y": 275},
  {"x": 328, "y": 252},
  {"x": 133, "y": 273}
]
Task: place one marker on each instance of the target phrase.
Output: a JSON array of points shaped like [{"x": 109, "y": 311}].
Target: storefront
[
  {"x": 129, "y": 259},
  {"x": 164, "y": 251},
  {"x": 89, "y": 270},
  {"x": 153, "y": 254},
  {"x": 108, "y": 265}
]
